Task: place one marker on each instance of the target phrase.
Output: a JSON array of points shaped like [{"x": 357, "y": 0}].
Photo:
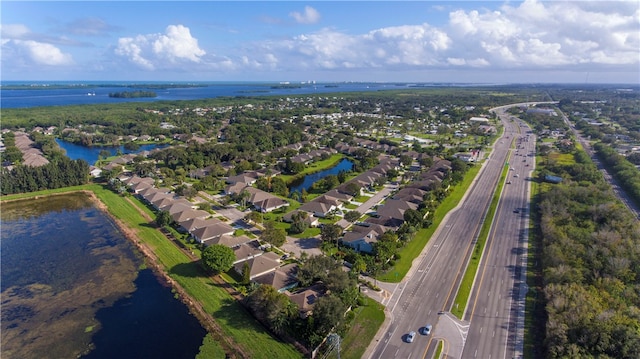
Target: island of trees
[{"x": 132, "y": 94}]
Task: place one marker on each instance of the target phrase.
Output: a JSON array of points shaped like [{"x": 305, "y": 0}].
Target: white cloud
[
  {"x": 20, "y": 46},
  {"x": 45, "y": 54},
  {"x": 176, "y": 46},
  {"x": 310, "y": 16},
  {"x": 14, "y": 31}
]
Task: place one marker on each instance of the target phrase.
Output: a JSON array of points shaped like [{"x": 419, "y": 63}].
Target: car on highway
[
  {"x": 427, "y": 329},
  {"x": 411, "y": 336}
]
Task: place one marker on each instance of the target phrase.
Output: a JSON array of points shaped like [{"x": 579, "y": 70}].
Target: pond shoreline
[
  {"x": 195, "y": 308},
  {"x": 152, "y": 261}
]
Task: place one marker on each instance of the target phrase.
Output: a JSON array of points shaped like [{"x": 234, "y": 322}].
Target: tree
[
  {"x": 104, "y": 154},
  {"x": 274, "y": 236},
  {"x": 406, "y": 160},
  {"x": 412, "y": 217},
  {"x": 330, "y": 232},
  {"x": 163, "y": 218},
  {"x": 316, "y": 268},
  {"x": 352, "y": 188},
  {"x": 246, "y": 273},
  {"x": 327, "y": 313},
  {"x": 254, "y": 217},
  {"x": 299, "y": 224},
  {"x": 352, "y": 216},
  {"x": 218, "y": 258},
  {"x": 331, "y": 181}
]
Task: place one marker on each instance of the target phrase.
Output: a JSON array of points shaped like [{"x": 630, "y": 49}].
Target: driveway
[{"x": 299, "y": 245}]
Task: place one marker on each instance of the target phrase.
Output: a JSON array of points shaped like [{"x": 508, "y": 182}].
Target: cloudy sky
[{"x": 529, "y": 41}]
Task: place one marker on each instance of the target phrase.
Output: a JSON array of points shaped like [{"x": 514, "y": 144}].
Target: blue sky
[{"x": 529, "y": 41}]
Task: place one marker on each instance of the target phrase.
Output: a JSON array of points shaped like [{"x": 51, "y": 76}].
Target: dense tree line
[
  {"x": 623, "y": 170},
  {"x": 60, "y": 172},
  {"x": 132, "y": 94},
  {"x": 590, "y": 268}
]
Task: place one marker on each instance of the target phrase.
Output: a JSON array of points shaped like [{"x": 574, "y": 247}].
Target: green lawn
[
  {"x": 413, "y": 249},
  {"x": 364, "y": 327},
  {"x": 235, "y": 322}
]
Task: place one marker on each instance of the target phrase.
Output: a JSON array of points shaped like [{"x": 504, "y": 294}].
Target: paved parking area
[{"x": 299, "y": 245}]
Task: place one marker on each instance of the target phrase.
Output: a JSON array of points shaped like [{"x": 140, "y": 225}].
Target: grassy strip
[
  {"x": 368, "y": 320},
  {"x": 232, "y": 318},
  {"x": 414, "y": 247},
  {"x": 464, "y": 290},
  {"x": 439, "y": 350}
]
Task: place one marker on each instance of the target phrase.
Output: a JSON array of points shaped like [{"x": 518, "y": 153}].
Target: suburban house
[
  {"x": 192, "y": 224},
  {"x": 264, "y": 201},
  {"x": 260, "y": 265},
  {"x": 306, "y": 299},
  {"x": 394, "y": 208},
  {"x": 310, "y": 219},
  {"x": 247, "y": 178},
  {"x": 410, "y": 194},
  {"x": 318, "y": 209},
  {"x": 211, "y": 231},
  {"x": 246, "y": 251},
  {"x": 189, "y": 213},
  {"x": 282, "y": 279},
  {"x": 362, "y": 237}
]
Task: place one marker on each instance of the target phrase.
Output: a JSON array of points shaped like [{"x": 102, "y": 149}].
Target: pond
[
  {"x": 307, "y": 181},
  {"x": 92, "y": 154},
  {"x": 72, "y": 286}
]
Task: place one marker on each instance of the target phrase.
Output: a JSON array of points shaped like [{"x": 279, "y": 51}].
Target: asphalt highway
[
  {"x": 426, "y": 294},
  {"x": 496, "y": 305}
]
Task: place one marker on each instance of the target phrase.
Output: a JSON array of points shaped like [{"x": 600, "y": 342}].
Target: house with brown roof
[{"x": 306, "y": 299}]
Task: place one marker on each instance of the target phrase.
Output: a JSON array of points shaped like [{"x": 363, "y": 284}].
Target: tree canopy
[{"x": 218, "y": 258}]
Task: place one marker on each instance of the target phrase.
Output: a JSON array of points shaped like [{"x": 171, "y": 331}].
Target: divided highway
[{"x": 427, "y": 293}]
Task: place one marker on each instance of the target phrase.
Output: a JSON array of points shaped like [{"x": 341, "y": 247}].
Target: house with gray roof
[
  {"x": 260, "y": 265},
  {"x": 211, "y": 231},
  {"x": 282, "y": 279}
]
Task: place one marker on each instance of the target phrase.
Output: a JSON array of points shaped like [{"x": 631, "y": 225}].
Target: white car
[
  {"x": 427, "y": 329},
  {"x": 411, "y": 336}
]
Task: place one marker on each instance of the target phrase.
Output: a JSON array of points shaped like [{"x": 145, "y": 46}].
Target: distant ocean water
[{"x": 82, "y": 93}]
